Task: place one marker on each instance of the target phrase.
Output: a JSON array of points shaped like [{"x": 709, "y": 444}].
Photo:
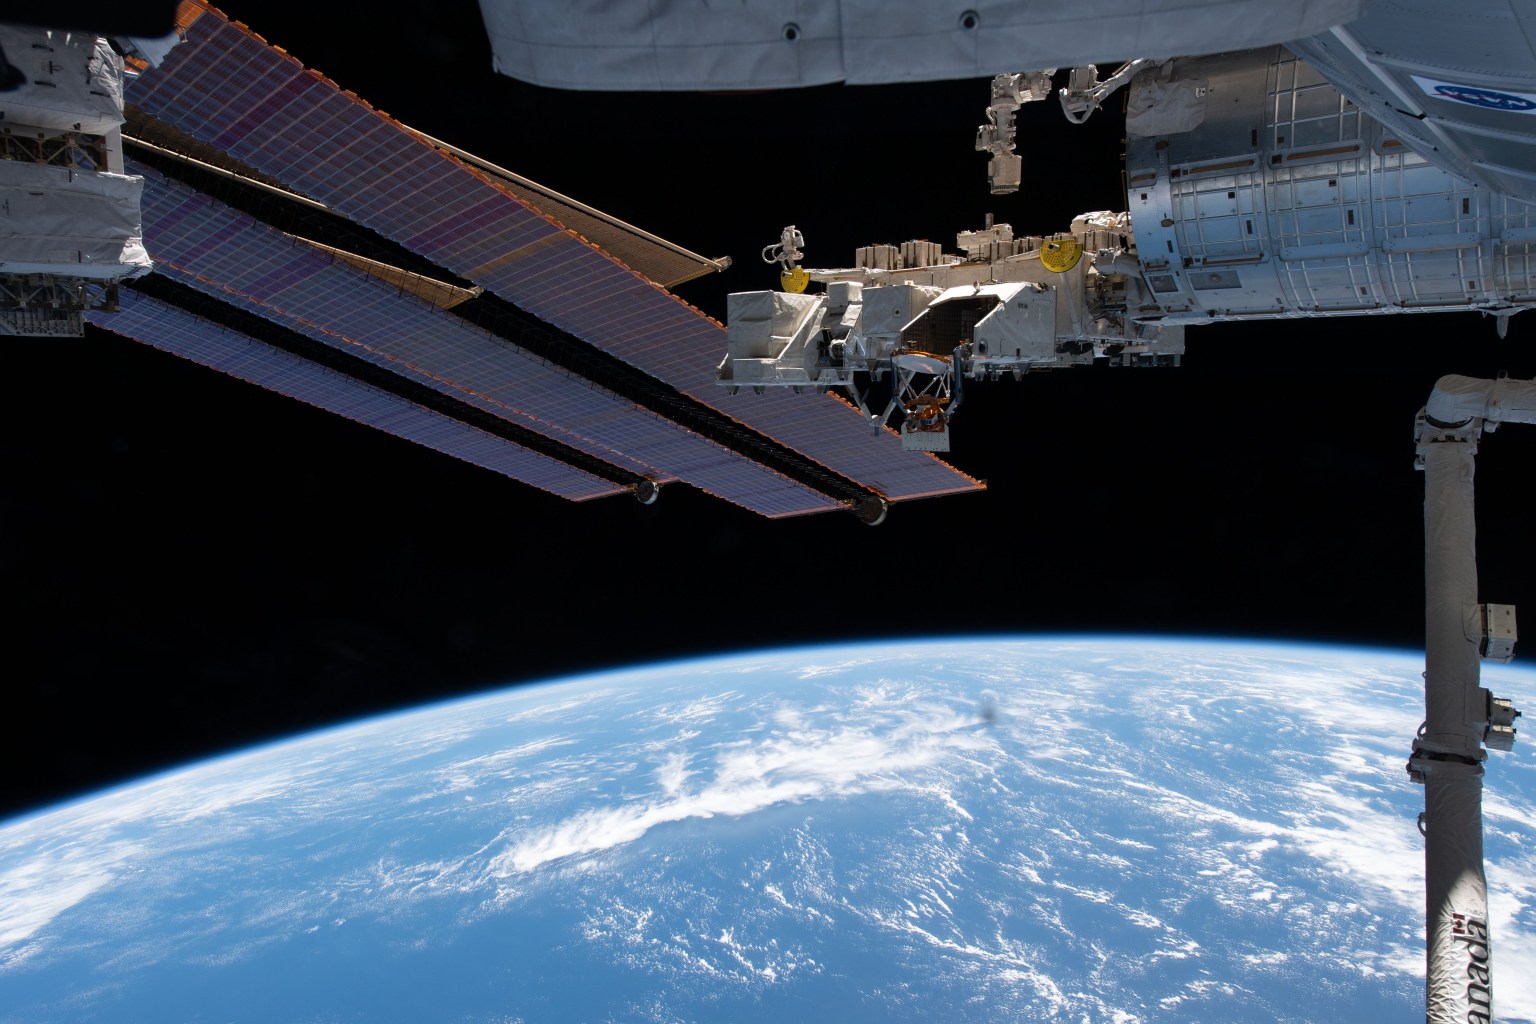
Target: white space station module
[{"x": 1256, "y": 189}]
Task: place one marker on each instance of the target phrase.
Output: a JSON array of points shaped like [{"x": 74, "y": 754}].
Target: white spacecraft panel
[
  {"x": 1288, "y": 200},
  {"x": 768, "y": 319},
  {"x": 696, "y": 44},
  {"x": 1455, "y": 78},
  {"x": 1022, "y": 324},
  {"x": 55, "y": 220},
  {"x": 73, "y": 80}
]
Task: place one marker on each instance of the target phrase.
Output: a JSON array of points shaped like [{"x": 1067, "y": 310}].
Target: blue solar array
[
  {"x": 181, "y": 333},
  {"x": 206, "y": 245},
  {"x": 228, "y": 88}
]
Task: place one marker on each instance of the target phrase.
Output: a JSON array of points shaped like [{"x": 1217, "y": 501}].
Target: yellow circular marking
[
  {"x": 1061, "y": 255},
  {"x": 794, "y": 280}
]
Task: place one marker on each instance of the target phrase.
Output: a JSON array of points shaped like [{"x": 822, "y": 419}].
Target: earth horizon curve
[{"x": 1039, "y": 827}]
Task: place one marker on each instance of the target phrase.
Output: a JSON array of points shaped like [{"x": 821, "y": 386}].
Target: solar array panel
[
  {"x": 660, "y": 261},
  {"x": 181, "y": 333},
  {"x": 229, "y": 89},
  {"x": 214, "y": 249}
]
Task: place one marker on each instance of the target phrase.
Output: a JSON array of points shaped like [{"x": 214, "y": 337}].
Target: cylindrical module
[
  {"x": 1257, "y": 190},
  {"x": 1459, "y": 970}
]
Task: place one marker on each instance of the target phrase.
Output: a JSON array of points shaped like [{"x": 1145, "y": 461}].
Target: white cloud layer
[{"x": 786, "y": 766}]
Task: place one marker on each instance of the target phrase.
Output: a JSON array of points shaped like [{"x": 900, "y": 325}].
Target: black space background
[{"x": 193, "y": 564}]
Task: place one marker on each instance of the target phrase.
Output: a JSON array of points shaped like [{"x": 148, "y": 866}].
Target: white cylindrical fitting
[{"x": 1457, "y": 399}]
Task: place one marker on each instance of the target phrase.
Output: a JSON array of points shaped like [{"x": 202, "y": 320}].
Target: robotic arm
[
  {"x": 1009, "y": 93},
  {"x": 1084, "y": 91},
  {"x": 1081, "y": 97}
]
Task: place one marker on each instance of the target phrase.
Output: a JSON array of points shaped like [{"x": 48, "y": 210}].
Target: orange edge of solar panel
[
  {"x": 976, "y": 484},
  {"x": 972, "y": 485},
  {"x": 835, "y": 506},
  {"x": 796, "y": 515},
  {"x": 190, "y": 10},
  {"x": 187, "y": 12}
]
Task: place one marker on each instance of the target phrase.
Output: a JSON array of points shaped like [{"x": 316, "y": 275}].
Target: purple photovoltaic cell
[
  {"x": 221, "y": 252},
  {"x": 227, "y": 88},
  {"x": 181, "y": 333}
]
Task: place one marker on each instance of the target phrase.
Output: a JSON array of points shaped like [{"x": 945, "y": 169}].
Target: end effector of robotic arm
[
  {"x": 1081, "y": 97},
  {"x": 996, "y": 137}
]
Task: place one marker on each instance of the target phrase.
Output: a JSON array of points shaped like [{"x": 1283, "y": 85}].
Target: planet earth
[{"x": 1026, "y": 829}]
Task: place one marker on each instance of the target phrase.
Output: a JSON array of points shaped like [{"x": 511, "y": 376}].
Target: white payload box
[
  {"x": 56, "y": 220},
  {"x": 768, "y": 338}
]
